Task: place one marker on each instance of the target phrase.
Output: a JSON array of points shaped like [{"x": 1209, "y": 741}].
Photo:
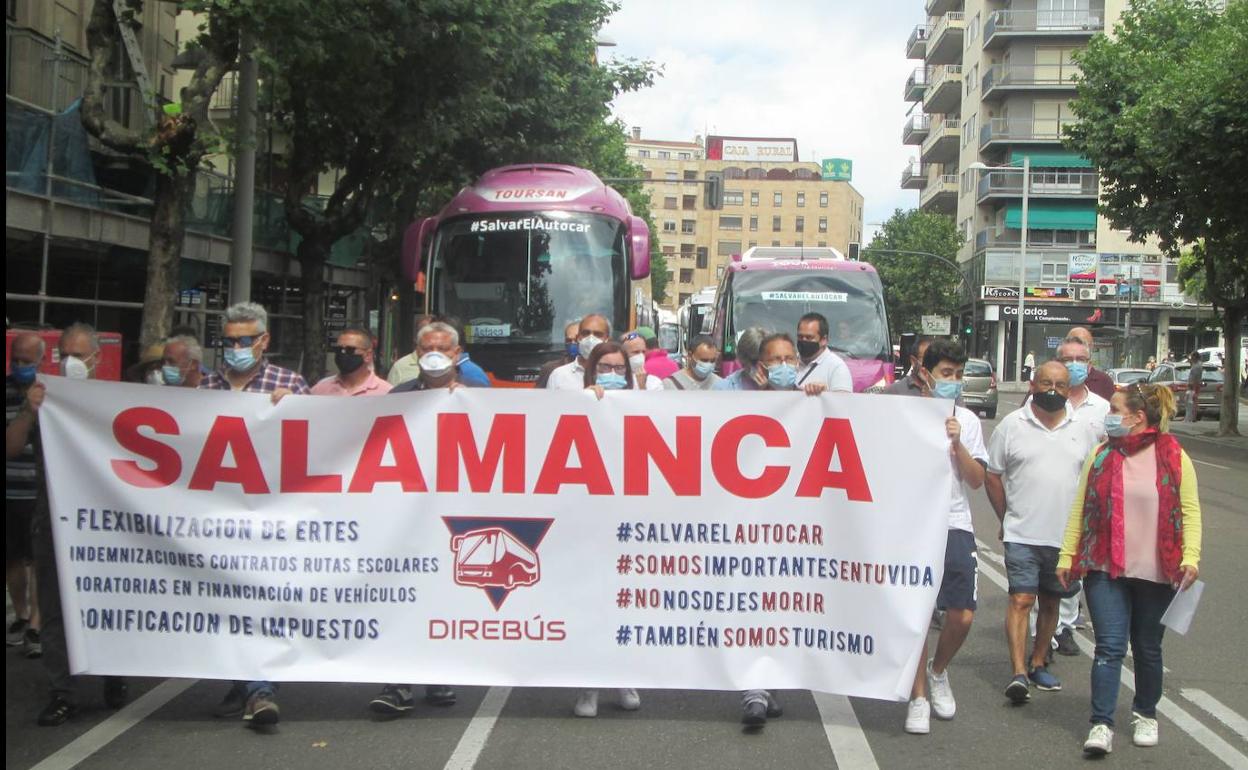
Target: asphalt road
[{"x": 1203, "y": 720}]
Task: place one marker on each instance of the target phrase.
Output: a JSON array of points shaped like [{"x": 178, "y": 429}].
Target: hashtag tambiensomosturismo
[
  {"x": 624, "y": 564},
  {"x": 623, "y": 635}
]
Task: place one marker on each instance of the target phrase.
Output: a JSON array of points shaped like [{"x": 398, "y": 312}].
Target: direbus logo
[{"x": 496, "y": 555}]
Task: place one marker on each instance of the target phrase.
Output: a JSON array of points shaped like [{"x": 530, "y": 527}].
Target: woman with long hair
[{"x": 1134, "y": 537}]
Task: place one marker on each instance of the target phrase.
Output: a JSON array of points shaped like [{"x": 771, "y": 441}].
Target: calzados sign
[{"x": 497, "y": 537}]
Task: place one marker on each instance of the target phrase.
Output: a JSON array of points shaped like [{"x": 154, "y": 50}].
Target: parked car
[
  {"x": 1124, "y": 377},
  {"x": 1174, "y": 376},
  {"x": 979, "y": 387}
]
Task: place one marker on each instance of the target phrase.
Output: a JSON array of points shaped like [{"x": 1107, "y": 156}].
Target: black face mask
[
  {"x": 1050, "y": 401},
  {"x": 348, "y": 363},
  {"x": 807, "y": 348}
]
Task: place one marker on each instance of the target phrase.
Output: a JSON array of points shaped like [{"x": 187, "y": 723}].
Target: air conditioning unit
[
  {"x": 1105, "y": 289},
  {"x": 1087, "y": 292}
]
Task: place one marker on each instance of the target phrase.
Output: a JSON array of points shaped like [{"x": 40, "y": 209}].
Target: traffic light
[
  {"x": 968, "y": 329},
  {"x": 713, "y": 191}
]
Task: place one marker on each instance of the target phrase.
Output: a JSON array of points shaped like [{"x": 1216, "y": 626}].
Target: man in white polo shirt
[
  {"x": 594, "y": 329},
  {"x": 1034, "y": 459},
  {"x": 818, "y": 364}
]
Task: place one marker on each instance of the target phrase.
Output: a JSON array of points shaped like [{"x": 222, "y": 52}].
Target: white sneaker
[
  {"x": 586, "y": 704},
  {"x": 1100, "y": 740},
  {"x": 919, "y": 717},
  {"x": 1145, "y": 730},
  {"x": 629, "y": 699},
  {"x": 943, "y": 704}
]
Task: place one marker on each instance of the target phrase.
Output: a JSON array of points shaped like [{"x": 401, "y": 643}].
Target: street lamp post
[{"x": 1022, "y": 253}]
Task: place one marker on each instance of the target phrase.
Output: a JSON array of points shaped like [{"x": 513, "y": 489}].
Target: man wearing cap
[{"x": 658, "y": 363}]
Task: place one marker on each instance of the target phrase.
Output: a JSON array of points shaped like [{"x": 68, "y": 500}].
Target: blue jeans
[
  {"x": 1122, "y": 609},
  {"x": 259, "y": 686}
]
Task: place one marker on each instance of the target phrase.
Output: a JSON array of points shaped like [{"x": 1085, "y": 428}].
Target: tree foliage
[
  {"x": 1163, "y": 113},
  {"x": 916, "y": 285},
  {"x": 407, "y": 102}
]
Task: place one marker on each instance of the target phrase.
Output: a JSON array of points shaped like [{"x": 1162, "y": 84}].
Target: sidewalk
[{"x": 1207, "y": 430}]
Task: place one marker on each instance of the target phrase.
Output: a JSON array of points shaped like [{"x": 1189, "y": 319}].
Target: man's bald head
[
  {"x": 1051, "y": 375},
  {"x": 27, "y": 347},
  {"x": 1082, "y": 334}
]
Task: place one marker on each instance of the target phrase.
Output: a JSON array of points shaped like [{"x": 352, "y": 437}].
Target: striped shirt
[
  {"x": 22, "y": 474},
  {"x": 270, "y": 378}
]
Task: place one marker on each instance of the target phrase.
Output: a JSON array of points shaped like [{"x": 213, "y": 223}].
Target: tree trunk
[
  {"x": 166, "y": 235},
  {"x": 1233, "y": 371},
  {"x": 313, "y": 253}
]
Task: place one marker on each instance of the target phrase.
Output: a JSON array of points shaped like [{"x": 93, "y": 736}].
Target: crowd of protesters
[{"x": 1091, "y": 491}]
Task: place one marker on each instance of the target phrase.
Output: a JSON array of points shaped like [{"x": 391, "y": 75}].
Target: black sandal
[{"x": 56, "y": 713}]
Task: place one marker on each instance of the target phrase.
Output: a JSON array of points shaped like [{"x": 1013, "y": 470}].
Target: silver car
[{"x": 979, "y": 387}]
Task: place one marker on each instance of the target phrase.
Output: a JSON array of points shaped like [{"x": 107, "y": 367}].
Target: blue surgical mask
[
  {"x": 172, "y": 375},
  {"x": 949, "y": 389},
  {"x": 240, "y": 359},
  {"x": 573, "y": 349},
  {"x": 782, "y": 376},
  {"x": 24, "y": 374},
  {"x": 1114, "y": 426},
  {"x": 1078, "y": 373},
  {"x": 703, "y": 369},
  {"x": 611, "y": 381}
]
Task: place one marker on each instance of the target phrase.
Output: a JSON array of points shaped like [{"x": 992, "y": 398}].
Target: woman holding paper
[{"x": 1134, "y": 536}]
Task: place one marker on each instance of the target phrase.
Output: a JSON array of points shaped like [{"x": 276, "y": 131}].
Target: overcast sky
[{"x": 829, "y": 73}]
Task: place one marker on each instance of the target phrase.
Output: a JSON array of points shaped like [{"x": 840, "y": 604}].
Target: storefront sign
[
  {"x": 935, "y": 324},
  {"x": 498, "y": 537},
  {"x": 1033, "y": 292},
  {"x": 751, "y": 149},
  {"x": 1082, "y": 268}
]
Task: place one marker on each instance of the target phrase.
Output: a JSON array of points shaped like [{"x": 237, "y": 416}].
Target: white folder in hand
[{"x": 1178, "y": 616}]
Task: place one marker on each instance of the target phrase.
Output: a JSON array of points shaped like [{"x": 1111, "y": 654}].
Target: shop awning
[
  {"x": 1052, "y": 215},
  {"x": 1050, "y": 159}
]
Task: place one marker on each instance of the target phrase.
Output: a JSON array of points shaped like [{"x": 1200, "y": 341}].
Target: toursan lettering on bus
[{"x": 832, "y": 462}]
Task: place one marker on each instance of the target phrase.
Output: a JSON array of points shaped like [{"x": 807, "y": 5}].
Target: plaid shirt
[{"x": 268, "y": 379}]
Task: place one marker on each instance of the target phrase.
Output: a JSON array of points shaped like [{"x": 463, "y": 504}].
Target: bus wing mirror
[
  {"x": 457, "y": 542},
  {"x": 639, "y": 254},
  {"x": 414, "y": 239},
  {"x": 708, "y": 324}
]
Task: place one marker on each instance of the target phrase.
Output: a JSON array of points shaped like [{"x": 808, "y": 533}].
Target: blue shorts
[
  {"x": 1032, "y": 569},
  {"x": 959, "y": 589}
]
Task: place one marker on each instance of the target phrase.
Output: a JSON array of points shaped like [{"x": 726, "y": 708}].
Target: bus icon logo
[{"x": 496, "y": 555}]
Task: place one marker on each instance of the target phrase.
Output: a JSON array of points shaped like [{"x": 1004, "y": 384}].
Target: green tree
[
  {"x": 406, "y": 102},
  {"x": 1163, "y": 113},
  {"x": 181, "y": 136},
  {"x": 916, "y": 285}
]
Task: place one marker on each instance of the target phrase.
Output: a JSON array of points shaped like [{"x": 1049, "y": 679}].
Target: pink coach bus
[
  {"x": 523, "y": 252},
  {"x": 773, "y": 287}
]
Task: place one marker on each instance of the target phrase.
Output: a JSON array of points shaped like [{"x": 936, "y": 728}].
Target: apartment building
[
  {"x": 77, "y": 240},
  {"x": 782, "y": 202},
  {"x": 992, "y": 86}
]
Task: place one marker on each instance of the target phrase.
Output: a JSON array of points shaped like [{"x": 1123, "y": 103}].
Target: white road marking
[
  {"x": 1211, "y": 465},
  {"x": 472, "y": 742},
  {"x": 107, "y": 731},
  {"x": 1212, "y": 742},
  {"x": 1220, "y": 711},
  {"x": 845, "y": 735}
]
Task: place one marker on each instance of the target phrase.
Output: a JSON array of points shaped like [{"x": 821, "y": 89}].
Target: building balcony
[
  {"x": 944, "y": 92},
  {"x": 916, "y": 129},
  {"x": 1000, "y": 132},
  {"x": 940, "y": 194},
  {"x": 1045, "y": 184},
  {"x": 941, "y": 7},
  {"x": 1003, "y": 79},
  {"x": 916, "y": 85},
  {"x": 916, "y": 46},
  {"x": 1038, "y": 240},
  {"x": 941, "y": 145},
  {"x": 945, "y": 46},
  {"x": 1072, "y": 25},
  {"x": 914, "y": 176}
]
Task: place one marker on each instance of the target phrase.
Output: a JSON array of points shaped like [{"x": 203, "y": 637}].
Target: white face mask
[
  {"x": 75, "y": 368},
  {"x": 587, "y": 345},
  {"x": 435, "y": 364},
  {"x": 637, "y": 362}
]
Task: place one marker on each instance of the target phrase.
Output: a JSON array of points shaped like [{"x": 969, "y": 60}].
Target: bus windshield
[
  {"x": 851, "y": 301},
  {"x": 520, "y": 277}
]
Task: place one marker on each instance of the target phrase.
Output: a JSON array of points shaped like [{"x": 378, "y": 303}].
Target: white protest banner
[{"x": 708, "y": 541}]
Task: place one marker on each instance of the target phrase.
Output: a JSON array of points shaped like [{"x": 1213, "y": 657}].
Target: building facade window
[
  {"x": 691, "y": 176},
  {"x": 754, "y": 224},
  {"x": 689, "y": 202},
  {"x": 702, "y": 251},
  {"x": 670, "y": 176},
  {"x": 684, "y": 297},
  {"x": 643, "y": 153},
  {"x": 686, "y": 275},
  {"x": 753, "y": 197},
  {"x": 775, "y": 224},
  {"x": 775, "y": 243},
  {"x": 823, "y": 199},
  {"x": 801, "y": 200},
  {"x": 684, "y": 156},
  {"x": 686, "y": 250},
  {"x": 687, "y": 226},
  {"x": 669, "y": 202},
  {"x": 777, "y": 199},
  {"x": 664, "y": 155},
  {"x": 823, "y": 224},
  {"x": 669, "y": 225},
  {"x": 801, "y": 224},
  {"x": 729, "y": 222},
  {"x": 734, "y": 198},
  {"x": 728, "y": 248}
]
